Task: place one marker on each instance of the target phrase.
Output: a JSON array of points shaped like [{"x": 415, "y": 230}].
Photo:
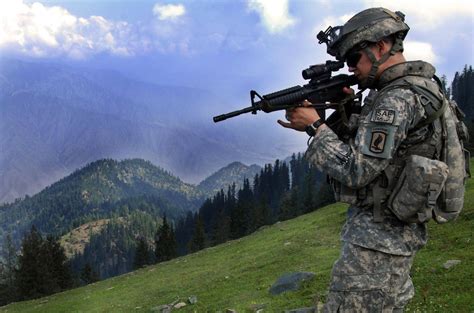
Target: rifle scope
[{"x": 322, "y": 69}]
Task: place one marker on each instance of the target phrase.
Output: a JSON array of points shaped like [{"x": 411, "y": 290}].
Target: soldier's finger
[
  {"x": 284, "y": 124},
  {"x": 348, "y": 90}
]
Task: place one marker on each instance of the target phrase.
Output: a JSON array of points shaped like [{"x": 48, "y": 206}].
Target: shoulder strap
[
  {"x": 432, "y": 112},
  {"x": 429, "y": 100}
]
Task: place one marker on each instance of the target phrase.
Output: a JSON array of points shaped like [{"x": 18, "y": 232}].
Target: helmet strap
[{"x": 397, "y": 46}]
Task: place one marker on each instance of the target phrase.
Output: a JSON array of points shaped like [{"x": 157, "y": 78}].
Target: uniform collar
[{"x": 413, "y": 68}]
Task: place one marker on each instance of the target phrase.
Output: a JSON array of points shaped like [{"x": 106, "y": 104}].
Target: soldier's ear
[{"x": 383, "y": 46}]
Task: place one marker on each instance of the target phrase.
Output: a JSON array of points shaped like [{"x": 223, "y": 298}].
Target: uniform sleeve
[{"x": 379, "y": 135}]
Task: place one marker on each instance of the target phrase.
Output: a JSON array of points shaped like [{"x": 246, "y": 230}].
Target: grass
[{"x": 238, "y": 274}]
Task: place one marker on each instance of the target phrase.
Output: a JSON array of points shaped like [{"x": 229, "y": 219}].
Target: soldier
[{"x": 373, "y": 271}]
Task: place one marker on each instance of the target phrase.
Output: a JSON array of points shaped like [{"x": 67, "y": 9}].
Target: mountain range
[
  {"x": 56, "y": 118},
  {"x": 108, "y": 188}
]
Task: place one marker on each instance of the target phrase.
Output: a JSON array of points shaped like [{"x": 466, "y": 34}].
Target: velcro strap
[{"x": 432, "y": 195}]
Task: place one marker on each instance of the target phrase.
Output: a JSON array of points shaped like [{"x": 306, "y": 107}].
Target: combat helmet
[{"x": 368, "y": 26}]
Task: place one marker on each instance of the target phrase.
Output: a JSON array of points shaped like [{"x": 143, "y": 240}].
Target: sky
[{"x": 228, "y": 47}]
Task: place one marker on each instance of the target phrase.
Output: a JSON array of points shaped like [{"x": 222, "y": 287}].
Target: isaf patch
[
  {"x": 383, "y": 116},
  {"x": 378, "y": 141}
]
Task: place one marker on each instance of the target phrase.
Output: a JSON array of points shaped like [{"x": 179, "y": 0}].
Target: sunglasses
[{"x": 353, "y": 58}]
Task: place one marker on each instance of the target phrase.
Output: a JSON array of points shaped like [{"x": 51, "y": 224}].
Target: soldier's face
[{"x": 361, "y": 68}]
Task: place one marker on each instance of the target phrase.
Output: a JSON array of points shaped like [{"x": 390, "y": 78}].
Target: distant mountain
[
  {"x": 226, "y": 176},
  {"x": 101, "y": 209},
  {"x": 54, "y": 119},
  {"x": 101, "y": 190}
]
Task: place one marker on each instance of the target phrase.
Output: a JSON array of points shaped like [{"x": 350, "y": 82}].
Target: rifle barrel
[{"x": 232, "y": 114}]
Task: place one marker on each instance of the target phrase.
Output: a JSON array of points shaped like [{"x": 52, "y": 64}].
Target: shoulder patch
[
  {"x": 383, "y": 116},
  {"x": 378, "y": 140}
]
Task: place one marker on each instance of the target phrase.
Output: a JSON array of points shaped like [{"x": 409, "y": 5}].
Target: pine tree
[
  {"x": 238, "y": 221},
  {"x": 31, "y": 270},
  {"x": 198, "y": 240},
  {"x": 88, "y": 275},
  {"x": 165, "y": 242},
  {"x": 222, "y": 227},
  {"x": 289, "y": 204},
  {"x": 462, "y": 89},
  {"x": 446, "y": 89},
  {"x": 58, "y": 267},
  {"x": 42, "y": 267},
  {"x": 8, "y": 269},
  {"x": 142, "y": 254}
]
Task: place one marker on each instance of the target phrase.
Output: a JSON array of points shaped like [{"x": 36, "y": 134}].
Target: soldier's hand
[
  {"x": 300, "y": 117},
  {"x": 348, "y": 91}
]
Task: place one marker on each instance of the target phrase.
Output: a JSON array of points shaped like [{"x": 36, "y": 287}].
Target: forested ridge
[{"x": 101, "y": 189}]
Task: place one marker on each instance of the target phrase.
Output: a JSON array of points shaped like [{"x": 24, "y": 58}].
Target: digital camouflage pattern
[
  {"x": 451, "y": 201},
  {"x": 365, "y": 280},
  {"x": 384, "y": 128},
  {"x": 370, "y": 25},
  {"x": 372, "y": 33},
  {"x": 420, "y": 177}
]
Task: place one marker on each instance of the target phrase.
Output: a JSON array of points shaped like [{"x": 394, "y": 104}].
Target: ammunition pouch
[
  {"x": 342, "y": 193},
  {"x": 414, "y": 196}
]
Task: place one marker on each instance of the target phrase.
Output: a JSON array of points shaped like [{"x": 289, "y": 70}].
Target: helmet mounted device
[{"x": 366, "y": 27}]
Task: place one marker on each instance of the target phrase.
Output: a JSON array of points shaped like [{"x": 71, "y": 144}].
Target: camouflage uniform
[{"x": 373, "y": 271}]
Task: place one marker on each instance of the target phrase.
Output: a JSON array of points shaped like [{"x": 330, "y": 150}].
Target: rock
[
  {"x": 162, "y": 309},
  {"x": 257, "y": 307},
  {"x": 290, "y": 282},
  {"x": 179, "y": 305},
  {"x": 193, "y": 300},
  {"x": 302, "y": 310},
  {"x": 451, "y": 263}
]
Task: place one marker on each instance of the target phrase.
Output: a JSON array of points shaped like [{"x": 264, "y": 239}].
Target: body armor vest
[{"x": 429, "y": 138}]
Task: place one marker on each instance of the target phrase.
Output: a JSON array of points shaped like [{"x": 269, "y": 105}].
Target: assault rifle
[{"x": 324, "y": 91}]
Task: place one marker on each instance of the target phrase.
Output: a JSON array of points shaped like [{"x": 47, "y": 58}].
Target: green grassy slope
[{"x": 238, "y": 274}]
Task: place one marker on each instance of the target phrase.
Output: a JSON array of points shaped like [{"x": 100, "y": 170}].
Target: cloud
[
  {"x": 414, "y": 50},
  {"x": 38, "y": 30},
  {"x": 427, "y": 14},
  {"x": 273, "y": 13},
  {"x": 169, "y": 11},
  {"x": 170, "y": 31}
]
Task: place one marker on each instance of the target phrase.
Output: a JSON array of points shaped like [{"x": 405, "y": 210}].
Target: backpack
[{"x": 434, "y": 187}]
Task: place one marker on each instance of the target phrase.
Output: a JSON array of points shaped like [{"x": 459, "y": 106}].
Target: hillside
[
  {"x": 238, "y": 274},
  {"x": 99, "y": 190},
  {"x": 76, "y": 240}
]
